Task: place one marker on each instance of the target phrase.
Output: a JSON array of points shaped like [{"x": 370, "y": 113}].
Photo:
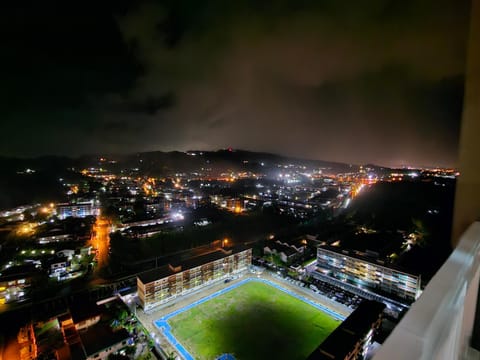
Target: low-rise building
[
  {"x": 85, "y": 315},
  {"x": 99, "y": 341},
  {"x": 58, "y": 266},
  {"x": 88, "y": 334},
  {"x": 162, "y": 284},
  {"x": 54, "y": 237},
  {"x": 66, "y": 253},
  {"x": 27, "y": 343},
  {"x": 15, "y": 282},
  {"x": 145, "y": 222},
  {"x": 81, "y": 232},
  {"x": 286, "y": 252}
]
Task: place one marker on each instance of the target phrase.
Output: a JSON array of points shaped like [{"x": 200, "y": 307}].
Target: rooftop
[
  {"x": 167, "y": 270},
  {"x": 81, "y": 311},
  {"x": 155, "y": 274},
  {"x": 365, "y": 256},
  {"x": 100, "y": 337},
  {"x": 287, "y": 250},
  {"x": 343, "y": 339}
]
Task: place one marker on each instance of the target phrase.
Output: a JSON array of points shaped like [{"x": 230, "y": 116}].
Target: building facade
[
  {"x": 82, "y": 209},
  {"x": 160, "y": 285},
  {"x": 367, "y": 273},
  {"x": 14, "y": 285}
]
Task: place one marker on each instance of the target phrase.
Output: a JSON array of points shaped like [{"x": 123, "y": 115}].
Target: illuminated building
[
  {"x": 15, "y": 282},
  {"x": 147, "y": 222},
  {"x": 27, "y": 342},
  {"x": 160, "y": 285},
  {"x": 368, "y": 273},
  {"x": 233, "y": 204},
  {"x": 54, "y": 237},
  {"x": 83, "y": 209}
]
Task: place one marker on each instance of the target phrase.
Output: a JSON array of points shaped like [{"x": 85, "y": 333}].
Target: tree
[{"x": 419, "y": 233}]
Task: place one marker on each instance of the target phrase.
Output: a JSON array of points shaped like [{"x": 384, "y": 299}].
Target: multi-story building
[
  {"x": 366, "y": 272},
  {"x": 162, "y": 284},
  {"x": 81, "y": 209}
]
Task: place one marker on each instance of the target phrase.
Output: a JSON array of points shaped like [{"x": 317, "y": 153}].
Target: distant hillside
[{"x": 164, "y": 163}]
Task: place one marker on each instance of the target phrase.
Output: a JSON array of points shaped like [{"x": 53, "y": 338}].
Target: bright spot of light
[{"x": 178, "y": 216}]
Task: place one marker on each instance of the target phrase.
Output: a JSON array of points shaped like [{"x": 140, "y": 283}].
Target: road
[{"x": 101, "y": 241}]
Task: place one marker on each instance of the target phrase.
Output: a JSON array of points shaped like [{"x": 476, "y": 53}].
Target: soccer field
[{"x": 252, "y": 321}]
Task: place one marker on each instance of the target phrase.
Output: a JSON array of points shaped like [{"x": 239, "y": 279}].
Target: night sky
[{"x": 353, "y": 81}]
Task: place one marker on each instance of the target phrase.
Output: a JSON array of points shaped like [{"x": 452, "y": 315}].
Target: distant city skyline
[{"x": 377, "y": 82}]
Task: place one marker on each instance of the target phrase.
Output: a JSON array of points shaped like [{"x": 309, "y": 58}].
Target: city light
[
  {"x": 178, "y": 216},
  {"x": 124, "y": 203}
]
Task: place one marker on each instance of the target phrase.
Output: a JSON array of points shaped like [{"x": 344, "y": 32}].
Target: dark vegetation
[
  {"x": 395, "y": 210},
  {"x": 236, "y": 228}
]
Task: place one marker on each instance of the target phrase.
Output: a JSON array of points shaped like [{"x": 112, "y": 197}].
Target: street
[{"x": 101, "y": 242}]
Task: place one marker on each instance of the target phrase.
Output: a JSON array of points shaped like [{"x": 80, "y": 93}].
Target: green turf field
[{"x": 253, "y": 321}]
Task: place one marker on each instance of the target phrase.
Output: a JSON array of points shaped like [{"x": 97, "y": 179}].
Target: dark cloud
[
  {"x": 371, "y": 81},
  {"x": 149, "y": 105}
]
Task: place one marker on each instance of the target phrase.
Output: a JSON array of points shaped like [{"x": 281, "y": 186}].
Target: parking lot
[
  {"x": 339, "y": 295},
  {"x": 326, "y": 289},
  {"x": 329, "y": 288}
]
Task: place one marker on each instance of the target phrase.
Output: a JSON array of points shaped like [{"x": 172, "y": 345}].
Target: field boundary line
[{"x": 164, "y": 327}]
